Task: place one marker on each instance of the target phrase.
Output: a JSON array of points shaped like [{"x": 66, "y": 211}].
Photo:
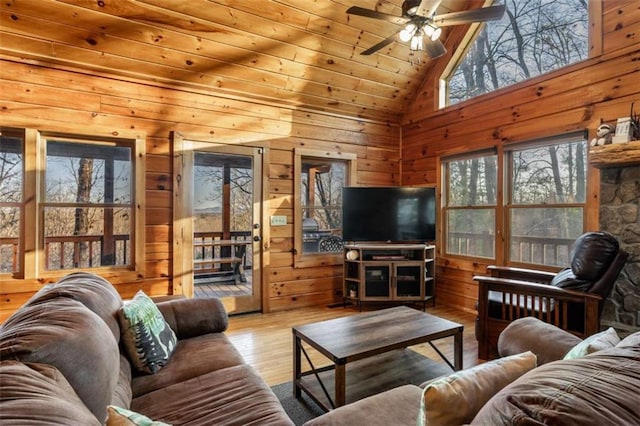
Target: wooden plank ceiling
[{"x": 303, "y": 53}]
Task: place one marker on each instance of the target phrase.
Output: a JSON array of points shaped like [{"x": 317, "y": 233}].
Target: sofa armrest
[
  {"x": 194, "y": 317},
  {"x": 547, "y": 341}
]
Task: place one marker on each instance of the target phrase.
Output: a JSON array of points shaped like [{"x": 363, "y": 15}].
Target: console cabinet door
[{"x": 377, "y": 281}]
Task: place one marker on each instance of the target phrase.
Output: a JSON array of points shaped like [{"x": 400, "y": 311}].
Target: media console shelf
[{"x": 389, "y": 273}]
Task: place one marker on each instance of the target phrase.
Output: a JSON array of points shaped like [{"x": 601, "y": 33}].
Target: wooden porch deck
[{"x": 213, "y": 287}]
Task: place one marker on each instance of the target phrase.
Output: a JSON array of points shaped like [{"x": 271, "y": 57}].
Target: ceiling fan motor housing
[{"x": 410, "y": 7}]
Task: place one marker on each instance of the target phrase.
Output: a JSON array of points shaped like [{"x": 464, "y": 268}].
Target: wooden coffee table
[{"x": 374, "y": 345}]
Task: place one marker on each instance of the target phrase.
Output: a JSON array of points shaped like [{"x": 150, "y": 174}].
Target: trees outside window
[
  {"x": 543, "y": 210},
  {"x": 69, "y": 203},
  {"x": 546, "y": 200},
  {"x": 470, "y": 205},
  {"x": 11, "y": 181},
  {"x": 533, "y": 37}
]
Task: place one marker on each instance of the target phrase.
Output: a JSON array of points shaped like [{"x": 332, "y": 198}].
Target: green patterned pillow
[{"x": 147, "y": 338}]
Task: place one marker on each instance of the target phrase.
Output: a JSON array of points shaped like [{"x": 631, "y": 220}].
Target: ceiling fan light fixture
[
  {"x": 408, "y": 32},
  {"x": 416, "y": 41},
  {"x": 432, "y": 31}
]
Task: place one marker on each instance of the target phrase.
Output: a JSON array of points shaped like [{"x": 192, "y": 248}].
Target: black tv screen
[{"x": 389, "y": 214}]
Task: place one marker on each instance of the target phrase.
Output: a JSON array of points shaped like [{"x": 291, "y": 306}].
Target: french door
[{"x": 218, "y": 223}]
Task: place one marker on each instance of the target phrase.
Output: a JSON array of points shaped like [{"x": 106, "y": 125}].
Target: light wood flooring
[{"x": 266, "y": 341}]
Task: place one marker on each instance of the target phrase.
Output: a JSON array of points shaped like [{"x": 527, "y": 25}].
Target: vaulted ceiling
[{"x": 303, "y": 53}]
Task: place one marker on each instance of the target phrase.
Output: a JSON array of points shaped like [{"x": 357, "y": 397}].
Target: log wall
[
  {"x": 54, "y": 99},
  {"x": 600, "y": 89}
]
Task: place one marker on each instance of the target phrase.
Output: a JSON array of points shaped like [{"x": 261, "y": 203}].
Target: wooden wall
[
  {"x": 54, "y": 99},
  {"x": 579, "y": 97}
]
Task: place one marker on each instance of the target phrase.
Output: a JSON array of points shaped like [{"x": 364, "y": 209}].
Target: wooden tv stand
[{"x": 379, "y": 272}]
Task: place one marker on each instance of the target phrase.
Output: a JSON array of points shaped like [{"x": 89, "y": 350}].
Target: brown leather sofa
[
  {"x": 598, "y": 389},
  {"x": 61, "y": 363}
]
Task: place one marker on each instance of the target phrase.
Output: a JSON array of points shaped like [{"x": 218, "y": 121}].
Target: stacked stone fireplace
[{"x": 620, "y": 215}]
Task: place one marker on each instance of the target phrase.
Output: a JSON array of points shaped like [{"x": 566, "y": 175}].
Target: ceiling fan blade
[
  {"x": 434, "y": 49},
  {"x": 491, "y": 13},
  {"x": 383, "y": 43},
  {"x": 428, "y": 7},
  {"x": 368, "y": 13}
]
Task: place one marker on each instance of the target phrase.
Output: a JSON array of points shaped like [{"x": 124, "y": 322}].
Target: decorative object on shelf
[
  {"x": 604, "y": 135},
  {"x": 352, "y": 255}
]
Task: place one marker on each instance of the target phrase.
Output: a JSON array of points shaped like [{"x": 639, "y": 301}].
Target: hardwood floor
[{"x": 266, "y": 341}]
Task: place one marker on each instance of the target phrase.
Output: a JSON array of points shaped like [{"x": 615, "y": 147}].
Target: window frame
[
  {"x": 446, "y": 208},
  {"x": 594, "y": 49},
  {"x": 31, "y": 252},
  {"x": 315, "y": 259}
]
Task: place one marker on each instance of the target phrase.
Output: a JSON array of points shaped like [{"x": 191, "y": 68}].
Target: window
[
  {"x": 470, "y": 205},
  {"x": 543, "y": 209},
  {"x": 546, "y": 200},
  {"x": 318, "y": 189},
  {"x": 87, "y": 204},
  {"x": 533, "y": 37},
  {"x": 76, "y": 209},
  {"x": 11, "y": 176}
]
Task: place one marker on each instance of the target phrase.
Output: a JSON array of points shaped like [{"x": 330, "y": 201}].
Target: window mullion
[{"x": 29, "y": 233}]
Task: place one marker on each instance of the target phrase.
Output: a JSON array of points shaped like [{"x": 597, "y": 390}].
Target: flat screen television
[{"x": 389, "y": 214}]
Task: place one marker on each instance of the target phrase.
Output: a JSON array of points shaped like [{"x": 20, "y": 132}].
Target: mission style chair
[{"x": 572, "y": 299}]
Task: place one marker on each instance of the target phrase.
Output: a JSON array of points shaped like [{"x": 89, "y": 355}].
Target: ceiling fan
[{"x": 421, "y": 27}]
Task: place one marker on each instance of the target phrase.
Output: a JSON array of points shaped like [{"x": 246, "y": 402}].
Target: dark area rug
[{"x": 300, "y": 410}]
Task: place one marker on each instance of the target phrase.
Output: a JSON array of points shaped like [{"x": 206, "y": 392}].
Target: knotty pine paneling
[
  {"x": 45, "y": 98},
  {"x": 579, "y": 97}
]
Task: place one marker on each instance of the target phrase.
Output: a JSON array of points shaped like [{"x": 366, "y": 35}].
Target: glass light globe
[{"x": 406, "y": 34}]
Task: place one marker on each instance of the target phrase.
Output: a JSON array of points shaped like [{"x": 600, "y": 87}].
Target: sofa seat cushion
[
  {"x": 38, "y": 394},
  {"x": 597, "y": 389},
  {"x": 230, "y": 396},
  {"x": 191, "y": 358},
  {"x": 398, "y": 406}
]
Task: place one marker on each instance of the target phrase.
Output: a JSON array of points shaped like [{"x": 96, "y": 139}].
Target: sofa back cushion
[
  {"x": 93, "y": 291},
  {"x": 64, "y": 333},
  {"x": 39, "y": 394}
]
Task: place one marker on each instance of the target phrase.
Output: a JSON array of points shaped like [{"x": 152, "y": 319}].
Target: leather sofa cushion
[
  {"x": 38, "y": 394},
  {"x": 123, "y": 394},
  {"x": 67, "y": 335},
  {"x": 194, "y": 317},
  {"x": 597, "y": 389},
  {"x": 191, "y": 358},
  {"x": 231, "y": 396}
]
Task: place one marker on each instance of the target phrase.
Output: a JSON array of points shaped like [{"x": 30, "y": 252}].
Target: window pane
[
  {"x": 87, "y": 173},
  {"x": 544, "y": 235},
  {"x": 98, "y": 179},
  {"x": 11, "y": 178},
  {"x": 553, "y": 174},
  {"x": 472, "y": 182},
  {"x": 532, "y": 38},
  {"x": 321, "y": 198},
  {"x": 76, "y": 237},
  {"x": 471, "y": 232}
]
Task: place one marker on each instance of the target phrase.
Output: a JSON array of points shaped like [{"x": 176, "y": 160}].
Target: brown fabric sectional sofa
[
  {"x": 61, "y": 363},
  {"x": 600, "y": 388}
]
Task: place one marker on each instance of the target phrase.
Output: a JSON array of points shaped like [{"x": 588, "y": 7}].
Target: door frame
[{"x": 182, "y": 271}]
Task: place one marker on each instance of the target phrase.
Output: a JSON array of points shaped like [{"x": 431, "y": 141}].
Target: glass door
[{"x": 221, "y": 220}]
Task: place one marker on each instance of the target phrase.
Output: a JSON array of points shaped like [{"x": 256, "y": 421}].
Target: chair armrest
[
  {"x": 521, "y": 274},
  {"x": 506, "y": 285},
  {"x": 194, "y": 317}
]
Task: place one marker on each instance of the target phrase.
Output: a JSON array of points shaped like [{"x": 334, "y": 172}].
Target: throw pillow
[
  {"x": 456, "y": 398},
  {"x": 594, "y": 343},
  {"x": 123, "y": 417},
  {"x": 630, "y": 340},
  {"x": 147, "y": 338}
]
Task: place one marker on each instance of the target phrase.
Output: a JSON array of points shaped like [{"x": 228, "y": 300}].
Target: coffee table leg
[
  {"x": 340, "y": 385},
  {"x": 297, "y": 366},
  {"x": 457, "y": 350}
]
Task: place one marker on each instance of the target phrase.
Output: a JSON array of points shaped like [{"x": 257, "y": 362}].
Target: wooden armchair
[{"x": 572, "y": 299}]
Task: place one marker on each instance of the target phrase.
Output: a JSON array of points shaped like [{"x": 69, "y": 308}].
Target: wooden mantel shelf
[{"x": 615, "y": 155}]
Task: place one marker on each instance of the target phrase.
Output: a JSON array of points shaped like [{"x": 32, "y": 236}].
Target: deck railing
[{"x": 214, "y": 252}]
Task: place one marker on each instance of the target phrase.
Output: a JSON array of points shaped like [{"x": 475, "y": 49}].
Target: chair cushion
[{"x": 567, "y": 279}]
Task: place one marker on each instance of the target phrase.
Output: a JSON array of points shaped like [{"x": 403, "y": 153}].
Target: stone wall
[{"x": 620, "y": 215}]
